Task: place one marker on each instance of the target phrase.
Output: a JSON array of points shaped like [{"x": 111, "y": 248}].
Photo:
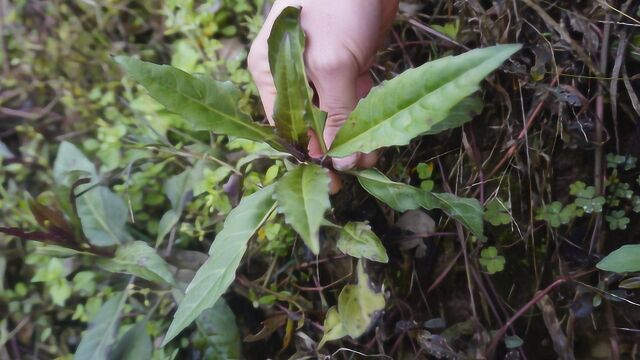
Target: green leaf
[
  {"x": 135, "y": 344},
  {"x": 358, "y": 305},
  {"x": 139, "y": 259},
  {"x": 556, "y": 215},
  {"x": 617, "y": 220},
  {"x": 403, "y": 197},
  {"x": 218, "y": 272},
  {"x": 168, "y": 220},
  {"x": 417, "y": 101},
  {"x": 333, "y": 328},
  {"x": 177, "y": 187},
  {"x": 294, "y": 112},
  {"x": 586, "y": 198},
  {"x": 424, "y": 170},
  {"x": 632, "y": 283},
  {"x": 5, "y": 153},
  {"x": 59, "y": 251},
  {"x": 71, "y": 160},
  {"x": 467, "y": 211},
  {"x": 209, "y": 105},
  {"x": 103, "y": 216},
  {"x": 497, "y": 213},
  {"x": 459, "y": 115},
  {"x": 357, "y": 239},
  {"x": 490, "y": 259},
  {"x": 218, "y": 326},
  {"x": 513, "y": 341},
  {"x": 303, "y": 198},
  {"x": 98, "y": 339},
  {"x": 625, "y": 259}
]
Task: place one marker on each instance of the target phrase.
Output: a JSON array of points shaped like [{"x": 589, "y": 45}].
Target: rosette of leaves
[{"x": 426, "y": 100}]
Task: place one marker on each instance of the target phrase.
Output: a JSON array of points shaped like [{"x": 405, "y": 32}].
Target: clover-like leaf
[
  {"x": 621, "y": 190},
  {"x": 497, "y": 212},
  {"x": 617, "y": 220},
  {"x": 425, "y": 171},
  {"x": 490, "y": 259},
  {"x": 556, "y": 215},
  {"x": 576, "y": 187},
  {"x": 587, "y": 200},
  {"x": 628, "y": 161}
]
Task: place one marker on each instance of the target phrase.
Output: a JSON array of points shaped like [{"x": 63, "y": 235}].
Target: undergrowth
[{"x": 549, "y": 157}]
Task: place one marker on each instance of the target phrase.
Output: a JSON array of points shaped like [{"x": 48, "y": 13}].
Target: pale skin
[{"x": 342, "y": 38}]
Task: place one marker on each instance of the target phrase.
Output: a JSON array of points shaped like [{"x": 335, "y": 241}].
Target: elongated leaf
[
  {"x": 218, "y": 272},
  {"x": 166, "y": 224},
  {"x": 135, "y": 344},
  {"x": 417, "y": 101},
  {"x": 209, "y": 105},
  {"x": 293, "y": 111},
  {"x": 303, "y": 198},
  {"x": 139, "y": 259},
  {"x": 103, "y": 216},
  {"x": 357, "y": 239},
  {"x": 467, "y": 211},
  {"x": 98, "y": 339},
  {"x": 461, "y": 114},
  {"x": 622, "y": 260},
  {"x": 403, "y": 197}
]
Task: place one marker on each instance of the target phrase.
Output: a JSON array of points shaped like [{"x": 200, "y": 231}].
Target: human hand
[{"x": 342, "y": 37}]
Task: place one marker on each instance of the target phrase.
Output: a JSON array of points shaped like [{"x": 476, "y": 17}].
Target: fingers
[{"x": 339, "y": 51}]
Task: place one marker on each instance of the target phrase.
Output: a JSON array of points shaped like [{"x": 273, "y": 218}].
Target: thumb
[
  {"x": 258, "y": 64},
  {"x": 258, "y": 59}
]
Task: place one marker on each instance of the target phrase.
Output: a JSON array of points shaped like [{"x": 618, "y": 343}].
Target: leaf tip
[{"x": 170, "y": 335}]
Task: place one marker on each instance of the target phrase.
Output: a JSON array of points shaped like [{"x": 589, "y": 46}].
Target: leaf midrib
[
  {"x": 403, "y": 109},
  {"x": 305, "y": 170},
  {"x": 257, "y": 129}
]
